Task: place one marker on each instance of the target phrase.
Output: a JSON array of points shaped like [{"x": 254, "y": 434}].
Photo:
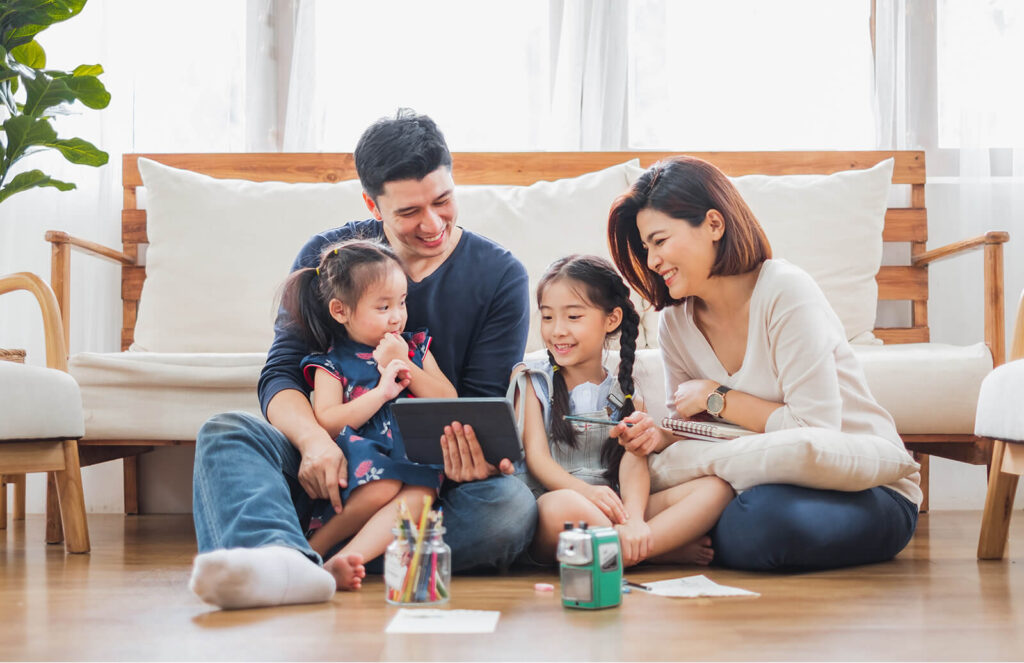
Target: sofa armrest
[
  {"x": 60, "y": 269},
  {"x": 992, "y": 242},
  {"x": 56, "y": 347}
]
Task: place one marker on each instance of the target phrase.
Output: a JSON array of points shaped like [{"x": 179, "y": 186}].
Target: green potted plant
[{"x": 31, "y": 96}]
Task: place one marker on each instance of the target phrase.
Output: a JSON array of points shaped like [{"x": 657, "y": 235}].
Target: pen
[
  {"x": 627, "y": 583},
  {"x": 595, "y": 420}
]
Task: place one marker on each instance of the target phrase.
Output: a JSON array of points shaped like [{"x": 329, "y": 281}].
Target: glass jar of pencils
[{"x": 418, "y": 569}]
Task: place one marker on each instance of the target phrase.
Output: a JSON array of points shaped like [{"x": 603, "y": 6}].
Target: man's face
[{"x": 418, "y": 215}]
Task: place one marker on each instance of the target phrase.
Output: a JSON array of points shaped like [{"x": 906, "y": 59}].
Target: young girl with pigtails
[
  {"x": 351, "y": 308},
  {"x": 577, "y": 469}
]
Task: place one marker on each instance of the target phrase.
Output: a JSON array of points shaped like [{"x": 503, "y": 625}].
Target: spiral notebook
[{"x": 710, "y": 431}]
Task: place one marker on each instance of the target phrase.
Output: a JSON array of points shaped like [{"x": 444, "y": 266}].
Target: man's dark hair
[{"x": 405, "y": 147}]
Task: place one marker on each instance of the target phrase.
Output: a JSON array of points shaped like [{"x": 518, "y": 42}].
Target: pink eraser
[{"x": 544, "y": 587}]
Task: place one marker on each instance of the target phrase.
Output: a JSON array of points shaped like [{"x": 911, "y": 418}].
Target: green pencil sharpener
[{"x": 591, "y": 567}]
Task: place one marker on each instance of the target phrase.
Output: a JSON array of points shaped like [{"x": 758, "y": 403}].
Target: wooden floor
[{"x": 128, "y": 600}]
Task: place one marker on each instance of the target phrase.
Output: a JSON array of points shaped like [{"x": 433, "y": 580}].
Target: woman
[{"x": 754, "y": 341}]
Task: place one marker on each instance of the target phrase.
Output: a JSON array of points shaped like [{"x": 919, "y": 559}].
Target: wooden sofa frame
[{"x": 908, "y": 225}]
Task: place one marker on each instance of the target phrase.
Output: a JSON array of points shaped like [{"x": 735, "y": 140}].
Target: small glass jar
[{"x": 421, "y": 577}]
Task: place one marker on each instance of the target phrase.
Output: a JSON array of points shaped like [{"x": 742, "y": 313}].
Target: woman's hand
[
  {"x": 641, "y": 438},
  {"x": 394, "y": 378},
  {"x": 636, "y": 541},
  {"x": 692, "y": 397},
  {"x": 390, "y": 348},
  {"x": 605, "y": 499}
]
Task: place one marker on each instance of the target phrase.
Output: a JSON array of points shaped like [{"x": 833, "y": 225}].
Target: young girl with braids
[
  {"x": 576, "y": 469},
  {"x": 352, "y": 309}
]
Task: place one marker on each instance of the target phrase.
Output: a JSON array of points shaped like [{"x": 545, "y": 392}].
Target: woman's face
[{"x": 678, "y": 252}]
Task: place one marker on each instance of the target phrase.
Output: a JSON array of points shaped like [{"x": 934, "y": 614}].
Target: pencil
[{"x": 410, "y": 575}]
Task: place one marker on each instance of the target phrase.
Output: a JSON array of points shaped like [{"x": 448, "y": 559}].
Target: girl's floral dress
[{"x": 374, "y": 451}]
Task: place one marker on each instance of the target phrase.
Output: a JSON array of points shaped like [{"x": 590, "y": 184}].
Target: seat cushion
[
  {"x": 999, "y": 414},
  {"x": 927, "y": 387},
  {"x": 38, "y": 404},
  {"x": 162, "y": 396}
]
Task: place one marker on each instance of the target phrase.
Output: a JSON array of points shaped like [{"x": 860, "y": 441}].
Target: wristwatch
[{"x": 716, "y": 400}]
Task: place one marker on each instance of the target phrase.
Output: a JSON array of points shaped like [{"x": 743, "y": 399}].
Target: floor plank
[{"x": 128, "y": 600}]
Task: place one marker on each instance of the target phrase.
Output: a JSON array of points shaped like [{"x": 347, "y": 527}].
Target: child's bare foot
[
  {"x": 699, "y": 552},
  {"x": 348, "y": 570}
]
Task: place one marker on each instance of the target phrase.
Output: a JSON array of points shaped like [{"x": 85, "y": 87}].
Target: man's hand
[
  {"x": 641, "y": 438},
  {"x": 323, "y": 470},
  {"x": 390, "y": 348},
  {"x": 691, "y": 397},
  {"x": 608, "y": 501},
  {"x": 463, "y": 457},
  {"x": 636, "y": 540}
]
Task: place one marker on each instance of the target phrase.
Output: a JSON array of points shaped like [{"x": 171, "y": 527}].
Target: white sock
[{"x": 256, "y": 577}]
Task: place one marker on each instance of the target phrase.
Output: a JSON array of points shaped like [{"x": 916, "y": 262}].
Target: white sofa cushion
[
  {"x": 217, "y": 294},
  {"x": 219, "y": 250},
  {"x": 831, "y": 226},
  {"x": 927, "y": 387},
  {"x": 38, "y": 403},
  {"x": 1000, "y": 415},
  {"x": 162, "y": 396},
  {"x": 547, "y": 220}
]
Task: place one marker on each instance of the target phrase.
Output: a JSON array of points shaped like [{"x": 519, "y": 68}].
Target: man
[{"x": 254, "y": 481}]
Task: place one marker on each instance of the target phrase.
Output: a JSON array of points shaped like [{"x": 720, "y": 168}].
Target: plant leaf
[
  {"x": 43, "y": 92},
  {"x": 24, "y": 131},
  {"x": 30, "y": 55},
  {"x": 81, "y": 152},
  {"x": 31, "y": 179},
  {"x": 89, "y": 90},
  {"x": 88, "y": 70}
]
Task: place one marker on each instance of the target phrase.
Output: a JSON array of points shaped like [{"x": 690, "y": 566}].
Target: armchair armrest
[
  {"x": 60, "y": 269},
  {"x": 992, "y": 242},
  {"x": 56, "y": 348}
]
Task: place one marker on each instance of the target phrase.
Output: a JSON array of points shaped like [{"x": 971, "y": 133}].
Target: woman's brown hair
[{"x": 684, "y": 188}]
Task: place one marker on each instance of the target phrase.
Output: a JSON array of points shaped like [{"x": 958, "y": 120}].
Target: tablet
[{"x": 421, "y": 422}]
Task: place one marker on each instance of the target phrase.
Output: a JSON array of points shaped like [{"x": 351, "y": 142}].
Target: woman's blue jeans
[
  {"x": 246, "y": 494},
  {"x": 777, "y": 527}
]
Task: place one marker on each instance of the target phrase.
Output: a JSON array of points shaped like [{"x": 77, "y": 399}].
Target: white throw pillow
[
  {"x": 810, "y": 457},
  {"x": 219, "y": 250},
  {"x": 830, "y": 226},
  {"x": 547, "y": 220}
]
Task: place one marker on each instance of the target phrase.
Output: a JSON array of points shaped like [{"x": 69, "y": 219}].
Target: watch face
[{"x": 715, "y": 402}]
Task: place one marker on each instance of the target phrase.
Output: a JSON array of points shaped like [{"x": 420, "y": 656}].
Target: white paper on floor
[
  {"x": 424, "y": 620},
  {"x": 693, "y": 587}
]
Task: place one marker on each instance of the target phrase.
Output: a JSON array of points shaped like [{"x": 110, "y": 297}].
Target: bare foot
[
  {"x": 699, "y": 552},
  {"x": 348, "y": 570}
]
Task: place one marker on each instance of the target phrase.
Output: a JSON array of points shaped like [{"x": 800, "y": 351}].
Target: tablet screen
[{"x": 421, "y": 422}]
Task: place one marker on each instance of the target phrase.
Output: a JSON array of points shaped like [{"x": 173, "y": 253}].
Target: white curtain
[
  {"x": 947, "y": 81},
  {"x": 589, "y": 47}
]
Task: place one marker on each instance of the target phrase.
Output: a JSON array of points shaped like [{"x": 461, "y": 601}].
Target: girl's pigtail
[
  {"x": 561, "y": 430},
  {"x": 612, "y": 451},
  {"x": 308, "y": 312}
]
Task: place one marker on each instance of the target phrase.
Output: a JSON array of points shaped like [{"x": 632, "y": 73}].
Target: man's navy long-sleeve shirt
[{"x": 475, "y": 305}]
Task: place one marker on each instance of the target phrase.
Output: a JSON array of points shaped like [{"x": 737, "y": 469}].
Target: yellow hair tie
[
  {"x": 554, "y": 368},
  {"x": 335, "y": 251},
  {"x": 628, "y": 396},
  {"x": 318, "y": 271}
]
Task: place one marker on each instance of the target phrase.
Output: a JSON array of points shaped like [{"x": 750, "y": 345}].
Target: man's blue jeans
[
  {"x": 776, "y": 527},
  {"x": 246, "y": 494}
]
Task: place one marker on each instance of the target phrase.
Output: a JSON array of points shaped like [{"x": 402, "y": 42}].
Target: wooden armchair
[{"x": 43, "y": 420}]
